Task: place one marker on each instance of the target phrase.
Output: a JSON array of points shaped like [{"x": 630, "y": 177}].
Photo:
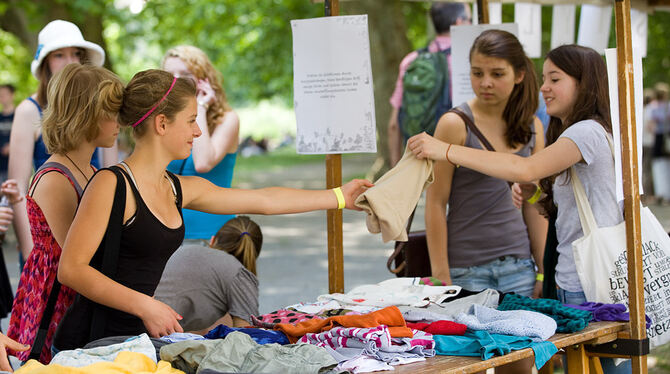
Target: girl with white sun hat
[{"x": 59, "y": 43}]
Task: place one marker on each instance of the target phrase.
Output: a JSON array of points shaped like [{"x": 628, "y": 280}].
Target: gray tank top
[{"x": 482, "y": 222}]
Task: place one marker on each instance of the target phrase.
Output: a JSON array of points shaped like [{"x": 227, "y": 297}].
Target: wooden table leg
[
  {"x": 594, "y": 365},
  {"x": 548, "y": 368},
  {"x": 578, "y": 362}
]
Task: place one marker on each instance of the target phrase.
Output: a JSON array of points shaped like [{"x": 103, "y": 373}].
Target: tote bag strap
[{"x": 586, "y": 216}]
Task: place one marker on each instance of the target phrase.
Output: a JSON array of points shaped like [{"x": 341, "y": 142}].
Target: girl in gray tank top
[
  {"x": 483, "y": 232},
  {"x": 576, "y": 94}
]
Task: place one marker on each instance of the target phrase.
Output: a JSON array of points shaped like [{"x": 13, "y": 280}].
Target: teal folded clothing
[
  {"x": 567, "y": 319},
  {"x": 479, "y": 343}
]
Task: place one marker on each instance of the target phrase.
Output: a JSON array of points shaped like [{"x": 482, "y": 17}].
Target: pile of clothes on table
[{"x": 370, "y": 328}]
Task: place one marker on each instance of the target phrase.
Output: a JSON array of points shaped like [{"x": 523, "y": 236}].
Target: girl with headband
[{"x": 162, "y": 110}]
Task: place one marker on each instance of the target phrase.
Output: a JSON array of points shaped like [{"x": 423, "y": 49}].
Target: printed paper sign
[
  {"x": 611, "y": 58},
  {"x": 594, "y": 27},
  {"x": 563, "y": 25},
  {"x": 639, "y": 21},
  {"x": 332, "y": 83},
  {"x": 529, "y": 19},
  {"x": 462, "y": 38}
]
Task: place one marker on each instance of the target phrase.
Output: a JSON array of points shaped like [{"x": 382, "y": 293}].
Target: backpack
[{"x": 426, "y": 95}]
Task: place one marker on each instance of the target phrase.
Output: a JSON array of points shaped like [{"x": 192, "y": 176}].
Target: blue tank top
[
  {"x": 201, "y": 225},
  {"x": 40, "y": 154}
]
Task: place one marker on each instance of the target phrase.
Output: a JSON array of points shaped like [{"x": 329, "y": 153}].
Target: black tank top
[{"x": 146, "y": 246}]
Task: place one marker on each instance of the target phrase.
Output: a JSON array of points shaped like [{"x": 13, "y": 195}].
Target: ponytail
[{"x": 242, "y": 238}]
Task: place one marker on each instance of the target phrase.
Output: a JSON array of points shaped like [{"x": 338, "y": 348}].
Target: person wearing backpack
[{"x": 421, "y": 105}]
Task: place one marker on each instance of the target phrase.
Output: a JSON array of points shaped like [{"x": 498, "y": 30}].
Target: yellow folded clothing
[{"x": 125, "y": 363}]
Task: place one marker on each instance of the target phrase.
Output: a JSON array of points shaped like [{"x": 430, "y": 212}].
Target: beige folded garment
[{"x": 394, "y": 196}]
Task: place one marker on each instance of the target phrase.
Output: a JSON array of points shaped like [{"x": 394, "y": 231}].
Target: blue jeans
[
  {"x": 576, "y": 298},
  {"x": 505, "y": 274}
]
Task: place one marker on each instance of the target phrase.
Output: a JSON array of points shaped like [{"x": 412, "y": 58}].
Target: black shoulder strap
[
  {"x": 111, "y": 245},
  {"x": 112, "y": 242},
  {"x": 471, "y": 125}
]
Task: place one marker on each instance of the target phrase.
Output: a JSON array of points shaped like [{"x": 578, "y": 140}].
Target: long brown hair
[
  {"x": 592, "y": 102},
  {"x": 523, "y": 101},
  {"x": 242, "y": 238}
]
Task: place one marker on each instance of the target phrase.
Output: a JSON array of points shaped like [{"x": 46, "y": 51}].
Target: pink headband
[{"x": 157, "y": 104}]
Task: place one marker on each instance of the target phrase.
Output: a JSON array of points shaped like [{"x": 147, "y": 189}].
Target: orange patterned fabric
[{"x": 389, "y": 316}]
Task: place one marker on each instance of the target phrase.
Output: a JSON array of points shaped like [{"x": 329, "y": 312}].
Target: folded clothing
[
  {"x": 86, "y": 356},
  {"x": 439, "y": 327},
  {"x": 260, "y": 336},
  {"x": 607, "y": 312},
  {"x": 389, "y": 316},
  {"x": 534, "y": 325},
  {"x": 238, "y": 353},
  {"x": 567, "y": 319},
  {"x": 486, "y": 345}
]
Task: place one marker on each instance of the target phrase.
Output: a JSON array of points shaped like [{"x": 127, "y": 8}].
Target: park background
[{"x": 250, "y": 43}]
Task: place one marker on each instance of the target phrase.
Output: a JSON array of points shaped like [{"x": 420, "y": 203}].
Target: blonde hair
[
  {"x": 45, "y": 74},
  {"x": 201, "y": 67},
  {"x": 242, "y": 238},
  {"x": 145, "y": 89},
  {"x": 81, "y": 96}
]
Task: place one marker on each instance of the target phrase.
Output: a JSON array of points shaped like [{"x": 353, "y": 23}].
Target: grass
[
  {"x": 266, "y": 119},
  {"x": 277, "y": 159}
]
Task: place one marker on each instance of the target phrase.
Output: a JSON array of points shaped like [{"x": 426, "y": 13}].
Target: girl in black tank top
[{"x": 162, "y": 111}]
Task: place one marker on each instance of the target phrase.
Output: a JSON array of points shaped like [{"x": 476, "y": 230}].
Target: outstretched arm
[
  {"x": 200, "y": 194},
  {"x": 549, "y": 161}
]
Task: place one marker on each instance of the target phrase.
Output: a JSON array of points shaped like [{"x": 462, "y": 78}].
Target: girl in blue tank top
[{"x": 215, "y": 151}]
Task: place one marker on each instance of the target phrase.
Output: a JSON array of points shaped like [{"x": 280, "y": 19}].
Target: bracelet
[
  {"x": 536, "y": 196},
  {"x": 446, "y": 155},
  {"x": 539, "y": 277},
  {"x": 340, "y": 198}
]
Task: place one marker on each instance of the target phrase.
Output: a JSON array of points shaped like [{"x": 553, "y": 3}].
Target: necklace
[{"x": 75, "y": 165}]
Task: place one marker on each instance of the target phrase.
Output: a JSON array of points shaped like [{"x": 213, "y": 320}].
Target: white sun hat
[{"x": 62, "y": 34}]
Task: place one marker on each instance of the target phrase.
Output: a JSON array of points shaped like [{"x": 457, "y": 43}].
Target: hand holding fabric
[{"x": 425, "y": 146}]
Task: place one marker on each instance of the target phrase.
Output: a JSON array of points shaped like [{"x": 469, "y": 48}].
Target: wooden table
[{"x": 573, "y": 344}]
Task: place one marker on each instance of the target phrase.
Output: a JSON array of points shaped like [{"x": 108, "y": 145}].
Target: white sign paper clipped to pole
[
  {"x": 594, "y": 27},
  {"x": 611, "y": 58},
  {"x": 529, "y": 19},
  {"x": 639, "y": 23},
  {"x": 332, "y": 84},
  {"x": 462, "y": 38},
  {"x": 563, "y": 25}
]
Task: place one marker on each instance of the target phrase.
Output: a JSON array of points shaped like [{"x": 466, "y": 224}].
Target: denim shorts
[
  {"x": 576, "y": 298},
  {"x": 506, "y": 274}
]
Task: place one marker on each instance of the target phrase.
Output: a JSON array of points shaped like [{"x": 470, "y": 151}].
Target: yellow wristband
[
  {"x": 536, "y": 196},
  {"x": 539, "y": 277},
  {"x": 340, "y": 198}
]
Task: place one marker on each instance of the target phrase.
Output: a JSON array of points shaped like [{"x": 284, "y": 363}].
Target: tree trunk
[{"x": 388, "y": 45}]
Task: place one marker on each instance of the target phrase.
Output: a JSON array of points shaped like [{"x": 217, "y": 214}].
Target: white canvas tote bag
[{"x": 601, "y": 260}]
